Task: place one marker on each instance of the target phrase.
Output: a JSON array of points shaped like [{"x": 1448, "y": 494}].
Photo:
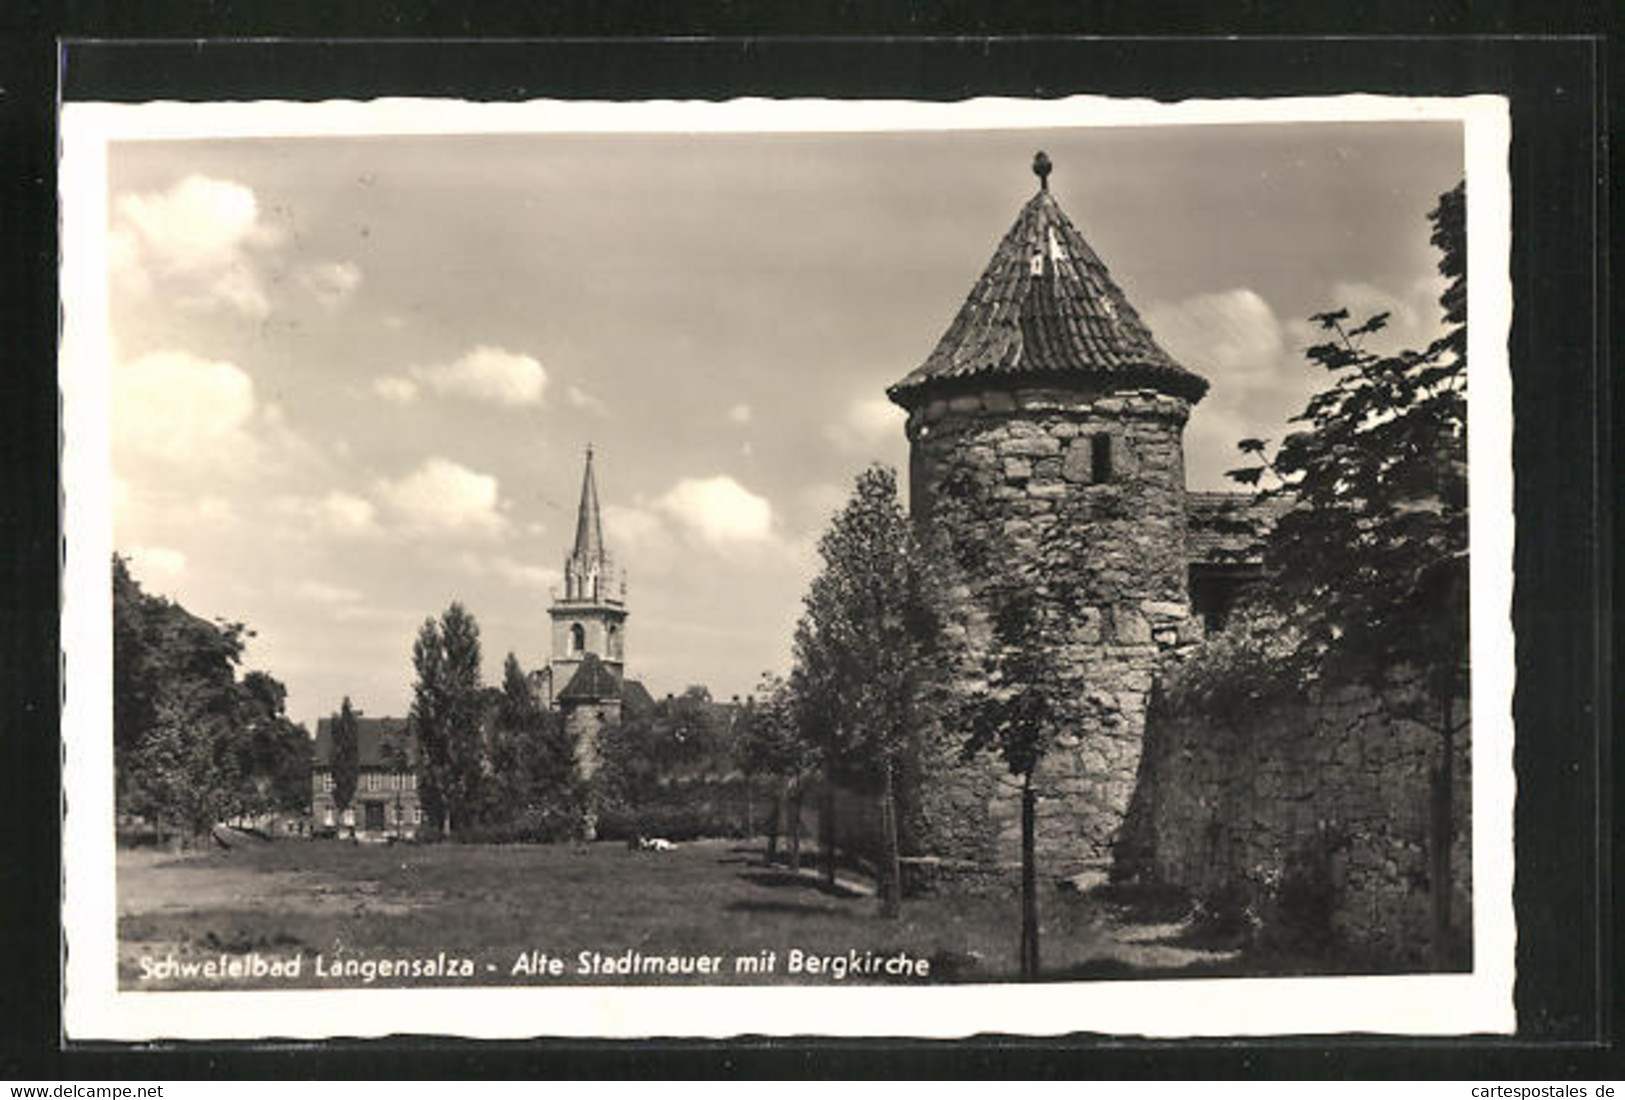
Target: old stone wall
[
  {"x": 1012, "y": 487},
  {"x": 584, "y": 724},
  {"x": 1304, "y": 814}
]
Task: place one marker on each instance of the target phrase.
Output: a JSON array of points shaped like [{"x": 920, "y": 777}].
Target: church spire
[
  {"x": 589, "y": 617},
  {"x": 587, "y": 572},
  {"x": 589, "y": 547}
]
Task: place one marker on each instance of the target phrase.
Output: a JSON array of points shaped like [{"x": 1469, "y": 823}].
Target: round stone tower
[{"x": 1046, "y": 451}]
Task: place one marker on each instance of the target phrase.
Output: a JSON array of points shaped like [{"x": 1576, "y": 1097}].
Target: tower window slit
[{"x": 1100, "y": 459}]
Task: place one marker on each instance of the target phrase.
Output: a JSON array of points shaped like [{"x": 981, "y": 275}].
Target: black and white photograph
[{"x": 869, "y": 569}]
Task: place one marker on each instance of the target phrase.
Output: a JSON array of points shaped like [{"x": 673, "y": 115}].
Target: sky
[{"x": 354, "y": 377}]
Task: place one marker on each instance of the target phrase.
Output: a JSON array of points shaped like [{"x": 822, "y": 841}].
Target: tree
[
  {"x": 276, "y": 753},
  {"x": 821, "y": 722},
  {"x": 1017, "y": 717},
  {"x": 770, "y": 744},
  {"x": 460, "y": 637},
  {"x": 428, "y": 723},
  {"x": 179, "y": 734},
  {"x": 864, "y": 650},
  {"x": 178, "y": 774},
  {"x": 1369, "y": 565},
  {"x": 346, "y": 756},
  {"x": 533, "y": 791},
  {"x": 447, "y": 713}
]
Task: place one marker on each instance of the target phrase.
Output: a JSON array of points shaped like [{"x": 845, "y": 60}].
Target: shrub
[{"x": 687, "y": 811}]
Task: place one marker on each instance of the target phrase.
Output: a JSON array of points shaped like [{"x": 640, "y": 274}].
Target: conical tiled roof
[{"x": 1046, "y": 306}]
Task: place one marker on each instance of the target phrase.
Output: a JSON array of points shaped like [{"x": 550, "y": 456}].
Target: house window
[
  {"x": 578, "y": 638},
  {"x": 1100, "y": 459}
]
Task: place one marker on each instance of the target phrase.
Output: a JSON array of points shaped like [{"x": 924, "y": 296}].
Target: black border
[{"x": 1564, "y": 496}]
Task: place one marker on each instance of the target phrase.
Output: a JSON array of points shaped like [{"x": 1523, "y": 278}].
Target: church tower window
[{"x": 578, "y": 638}]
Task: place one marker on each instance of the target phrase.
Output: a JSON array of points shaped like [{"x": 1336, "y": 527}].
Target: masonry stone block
[{"x": 1029, "y": 469}]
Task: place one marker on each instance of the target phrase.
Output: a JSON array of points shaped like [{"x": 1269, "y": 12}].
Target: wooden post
[
  {"x": 780, "y": 825},
  {"x": 794, "y": 802},
  {"x": 1029, "y": 881},
  {"x": 891, "y": 872},
  {"x": 827, "y": 827}
]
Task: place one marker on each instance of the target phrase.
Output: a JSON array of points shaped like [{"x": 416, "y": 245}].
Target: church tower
[
  {"x": 1046, "y": 451},
  {"x": 589, "y": 618}
]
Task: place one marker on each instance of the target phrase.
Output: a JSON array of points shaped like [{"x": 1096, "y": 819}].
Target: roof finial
[{"x": 1041, "y": 167}]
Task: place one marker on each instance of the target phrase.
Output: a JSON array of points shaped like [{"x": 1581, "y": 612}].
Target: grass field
[{"x": 334, "y": 906}]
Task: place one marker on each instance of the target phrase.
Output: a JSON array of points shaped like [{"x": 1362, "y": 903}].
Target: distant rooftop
[
  {"x": 593, "y": 680},
  {"x": 380, "y": 743},
  {"x": 1229, "y": 528}
]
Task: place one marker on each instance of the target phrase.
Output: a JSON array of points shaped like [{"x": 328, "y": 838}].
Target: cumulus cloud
[
  {"x": 865, "y": 423},
  {"x": 319, "y": 592},
  {"x": 525, "y": 575},
  {"x": 635, "y": 531},
  {"x": 347, "y": 513},
  {"x": 740, "y": 414},
  {"x": 1414, "y": 319},
  {"x": 719, "y": 510},
  {"x": 581, "y": 399},
  {"x": 195, "y": 242},
  {"x": 443, "y": 497},
  {"x": 156, "y": 563},
  {"x": 714, "y": 514},
  {"x": 335, "y": 513},
  {"x": 1255, "y": 362},
  {"x": 394, "y": 388},
  {"x": 175, "y": 406},
  {"x": 1235, "y": 339},
  {"x": 332, "y": 282},
  {"x": 488, "y": 373},
  {"x": 1231, "y": 337},
  {"x": 213, "y": 510},
  {"x": 511, "y": 571},
  {"x": 821, "y": 501}
]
